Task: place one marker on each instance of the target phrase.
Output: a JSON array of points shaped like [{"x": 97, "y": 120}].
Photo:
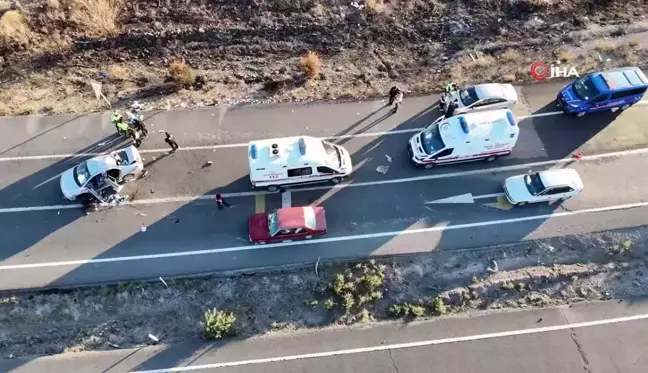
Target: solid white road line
[
  {"x": 244, "y": 145},
  {"x": 325, "y": 240},
  {"x": 286, "y": 199},
  {"x": 399, "y": 346},
  {"x": 184, "y": 199}
]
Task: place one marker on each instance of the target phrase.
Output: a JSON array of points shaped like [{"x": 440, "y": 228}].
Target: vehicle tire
[
  {"x": 492, "y": 158},
  {"x": 625, "y": 106},
  {"x": 336, "y": 180},
  {"x": 521, "y": 203},
  {"x": 428, "y": 166},
  {"x": 261, "y": 242},
  {"x": 128, "y": 178},
  {"x": 308, "y": 237},
  {"x": 581, "y": 114},
  {"x": 272, "y": 188}
]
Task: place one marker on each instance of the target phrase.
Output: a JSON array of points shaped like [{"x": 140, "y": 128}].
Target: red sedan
[{"x": 287, "y": 224}]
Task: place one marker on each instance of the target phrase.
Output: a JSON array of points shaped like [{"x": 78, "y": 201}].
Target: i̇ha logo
[{"x": 540, "y": 71}]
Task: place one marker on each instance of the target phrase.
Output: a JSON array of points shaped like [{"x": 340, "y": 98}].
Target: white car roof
[
  {"x": 291, "y": 152},
  {"x": 563, "y": 176},
  {"x": 489, "y": 90},
  {"x": 495, "y": 124}
]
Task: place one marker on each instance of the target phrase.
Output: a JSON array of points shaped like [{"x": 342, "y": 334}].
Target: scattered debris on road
[{"x": 382, "y": 169}]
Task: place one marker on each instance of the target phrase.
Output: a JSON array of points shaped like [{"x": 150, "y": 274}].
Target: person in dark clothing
[
  {"x": 171, "y": 141},
  {"x": 393, "y": 92},
  {"x": 450, "y": 109},
  {"x": 137, "y": 139},
  {"x": 220, "y": 202}
]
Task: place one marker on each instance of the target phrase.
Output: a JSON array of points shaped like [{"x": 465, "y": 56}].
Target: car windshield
[
  {"x": 333, "y": 158},
  {"x": 431, "y": 140},
  {"x": 585, "y": 89},
  {"x": 468, "y": 96},
  {"x": 534, "y": 184},
  {"x": 273, "y": 224},
  {"x": 81, "y": 174}
]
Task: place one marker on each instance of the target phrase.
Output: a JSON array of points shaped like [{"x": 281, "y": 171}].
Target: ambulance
[
  {"x": 275, "y": 163},
  {"x": 464, "y": 138}
]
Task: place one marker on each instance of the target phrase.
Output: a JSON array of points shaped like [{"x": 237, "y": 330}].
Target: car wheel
[
  {"x": 428, "y": 166},
  {"x": 272, "y": 188},
  {"x": 128, "y": 178},
  {"x": 625, "y": 106},
  {"x": 308, "y": 237},
  {"x": 581, "y": 114},
  {"x": 521, "y": 203},
  {"x": 336, "y": 180},
  {"x": 492, "y": 158},
  {"x": 261, "y": 242}
]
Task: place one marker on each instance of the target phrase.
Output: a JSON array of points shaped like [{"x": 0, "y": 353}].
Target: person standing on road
[
  {"x": 452, "y": 105},
  {"x": 393, "y": 91},
  {"x": 171, "y": 141},
  {"x": 220, "y": 202},
  {"x": 398, "y": 98}
]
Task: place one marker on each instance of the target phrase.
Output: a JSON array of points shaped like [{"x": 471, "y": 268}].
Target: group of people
[
  {"x": 135, "y": 128},
  {"x": 396, "y": 98}
]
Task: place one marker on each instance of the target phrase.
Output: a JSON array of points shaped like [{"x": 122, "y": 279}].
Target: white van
[
  {"x": 296, "y": 160},
  {"x": 465, "y": 138}
]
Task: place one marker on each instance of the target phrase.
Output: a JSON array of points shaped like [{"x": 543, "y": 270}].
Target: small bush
[
  {"x": 365, "y": 316},
  {"x": 439, "y": 306},
  {"x": 14, "y": 28},
  {"x": 329, "y": 304},
  {"x": 181, "y": 73},
  {"x": 417, "y": 310},
  {"x": 311, "y": 64},
  {"x": 311, "y": 303},
  {"x": 348, "y": 302},
  {"x": 218, "y": 323},
  {"x": 507, "y": 286},
  {"x": 604, "y": 45},
  {"x": 97, "y": 17},
  {"x": 520, "y": 286},
  {"x": 396, "y": 310}
]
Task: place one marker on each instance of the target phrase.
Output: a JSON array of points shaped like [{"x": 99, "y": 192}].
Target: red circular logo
[{"x": 539, "y": 70}]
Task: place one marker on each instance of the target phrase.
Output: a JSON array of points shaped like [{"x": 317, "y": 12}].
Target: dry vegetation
[
  {"x": 50, "y": 48},
  {"x": 181, "y": 74},
  {"x": 526, "y": 275},
  {"x": 311, "y": 64}
]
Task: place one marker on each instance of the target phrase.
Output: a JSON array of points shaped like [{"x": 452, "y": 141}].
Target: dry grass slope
[
  {"x": 14, "y": 28},
  {"x": 97, "y": 17},
  {"x": 311, "y": 64}
]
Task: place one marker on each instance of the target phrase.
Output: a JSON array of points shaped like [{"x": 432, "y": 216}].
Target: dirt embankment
[
  {"x": 250, "y": 50},
  {"x": 531, "y": 274}
]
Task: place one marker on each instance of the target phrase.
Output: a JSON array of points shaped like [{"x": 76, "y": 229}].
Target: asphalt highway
[
  {"x": 591, "y": 337},
  {"x": 47, "y": 241}
]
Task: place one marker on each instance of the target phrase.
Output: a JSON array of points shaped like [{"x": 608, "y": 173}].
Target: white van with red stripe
[
  {"x": 469, "y": 137},
  {"x": 275, "y": 163}
]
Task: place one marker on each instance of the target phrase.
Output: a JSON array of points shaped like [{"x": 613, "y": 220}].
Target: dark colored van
[{"x": 612, "y": 90}]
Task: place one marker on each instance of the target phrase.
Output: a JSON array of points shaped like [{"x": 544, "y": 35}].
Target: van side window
[
  {"x": 631, "y": 92},
  {"x": 325, "y": 170},
  {"x": 444, "y": 153},
  {"x": 304, "y": 171}
]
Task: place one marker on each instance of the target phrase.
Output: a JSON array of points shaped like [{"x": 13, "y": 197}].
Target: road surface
[
  {"x": 595, "y": 338},
  {"x": 49, "y": 242}
]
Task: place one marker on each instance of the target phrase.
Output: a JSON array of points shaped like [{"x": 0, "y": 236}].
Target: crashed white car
[
  {"x": 543, "y": 186},
  {"x": 109, "y": 170},
  {"x": 481, "y": 97}
]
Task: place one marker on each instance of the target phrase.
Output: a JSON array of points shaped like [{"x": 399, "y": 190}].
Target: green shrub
[
  {"x": 348, "y": 302},
  {"x": 416, "y": 310},
  {"x": 507, "y": 286},
  {"x": 329, "y": 304},
  {"x": 218, "y": 323},
  {"x": 439, "y": 306}
]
